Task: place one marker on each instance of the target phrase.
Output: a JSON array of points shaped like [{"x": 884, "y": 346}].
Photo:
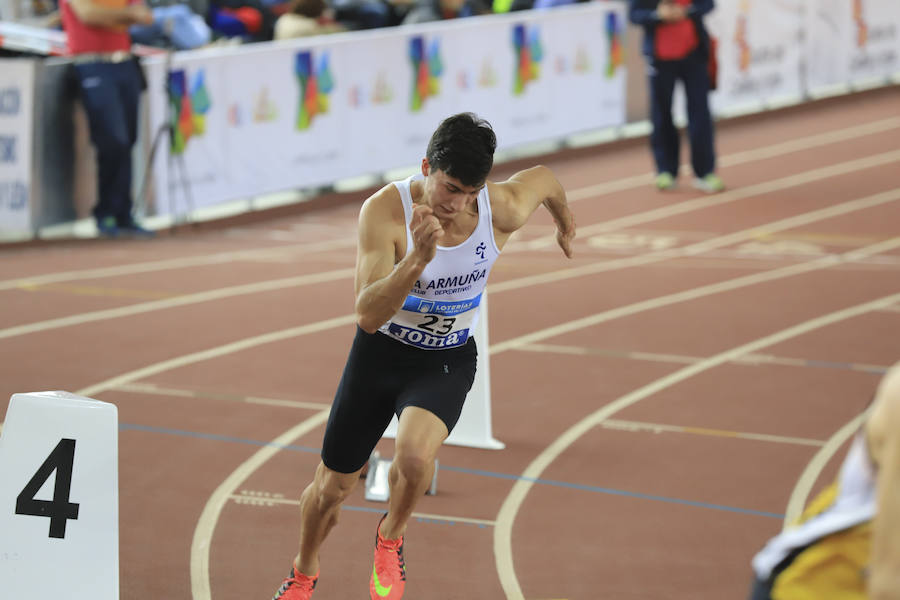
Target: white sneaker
[{"x": 710, "y": 184}]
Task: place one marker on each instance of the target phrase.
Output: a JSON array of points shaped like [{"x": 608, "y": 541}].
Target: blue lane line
[
  {"x": 614, "y": 492},
  {"x": 476, "y": 472},
  {"x": 825, "y": 364}
]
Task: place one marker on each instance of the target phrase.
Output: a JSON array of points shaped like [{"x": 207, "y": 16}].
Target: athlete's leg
[
  {"x": 320, "y": 505},
  {"x": 419, "y": 437}
]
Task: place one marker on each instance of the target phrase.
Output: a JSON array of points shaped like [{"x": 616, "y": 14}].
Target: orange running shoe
[
  {"x": 296, "y": 586},
  {"x": 389, "y": 572}
]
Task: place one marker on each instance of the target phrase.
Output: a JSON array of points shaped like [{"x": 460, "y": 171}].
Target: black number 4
[{"x": 59, "y": 510}]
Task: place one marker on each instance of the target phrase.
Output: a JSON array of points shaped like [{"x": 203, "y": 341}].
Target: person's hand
[
  {"x": 670, "y": 12},
  {"x": 140, "y": 14},
  {"x": 565, "y": 233},
  {"x": 426, "y": 232}
]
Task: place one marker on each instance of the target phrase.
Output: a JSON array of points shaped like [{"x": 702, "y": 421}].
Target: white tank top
[
  {"x": 441, "y": 310},
  {"x": 854, "y": 504}
]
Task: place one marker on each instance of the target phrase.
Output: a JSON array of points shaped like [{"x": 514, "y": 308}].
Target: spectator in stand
[
  {"x": 110, "y": 81},
  {"x": 371, "y": 14},
  {"x": 439, "y": 10},
  {"x": 676, "y": 46},
  {"x": 505, "y": 6},
  {"x": 178, "y": 24},
  {"x": 306, "y": 17},
  {"x": 250, "y": 20}
]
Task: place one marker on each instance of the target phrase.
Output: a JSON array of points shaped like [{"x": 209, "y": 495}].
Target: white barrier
[{"x": 62, "y": 538}]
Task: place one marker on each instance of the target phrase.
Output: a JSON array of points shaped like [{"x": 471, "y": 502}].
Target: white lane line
[
  {"x": 576, "y": 194},
  {"x": 667, "y": 300},
  {"x": 503, "y": 554},
  {"x": 810, "y": 474},
  {"x": 559, "y": 275},
  {"x": 203, "y": 532},
  {"x": 636, "y": 426},
  {"x": 746, "y": 156},
  {"x": 185, "y": 300},
  {"x": 704, "y": 246},
  {"x": 693, "y": 249},
  {"x": 753, "y": 360},
  {"x": 196, "y": 357},
  {"x": 523, "y": 282},
  {"x": 758, "y": 189},
  {"x": 631, "y": 355},
  {"x": 155, "y": 390},
  {"x": 268, "y": 499},
  {"x": 176, "y": 263}
]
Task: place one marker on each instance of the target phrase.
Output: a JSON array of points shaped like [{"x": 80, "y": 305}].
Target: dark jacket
[{"x": 643, "y": 13}]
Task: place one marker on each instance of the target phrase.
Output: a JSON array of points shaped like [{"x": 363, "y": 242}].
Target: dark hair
[
  {"x": 463, "y": 147},
  {"x": 307, "y": 8}
]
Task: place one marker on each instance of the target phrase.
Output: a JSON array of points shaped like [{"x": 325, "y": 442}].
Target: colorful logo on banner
[
  {"x": 528, "y": 53},
  {"x": 381, "y": 93},
  {"x": 265, "y": 109},
  {"x": 487, "y": 75},
  {"x": 463, "y": 80},
  {"x": 616, "y": 52},
  {"x": 427, "y": 68},
  {"x": 234, "y": 115},
  {"x": 862, "y": 29},
  {"x": 740, "y": 37},
  {"x": 316, "y": 83},
  {"x": 189, "y": 108}
]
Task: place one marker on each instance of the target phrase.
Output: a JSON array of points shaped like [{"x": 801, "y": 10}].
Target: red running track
[{"x": 661, "y": 396}]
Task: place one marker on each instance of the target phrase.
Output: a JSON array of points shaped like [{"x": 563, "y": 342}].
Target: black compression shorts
[{"x": 381, "y": 378}]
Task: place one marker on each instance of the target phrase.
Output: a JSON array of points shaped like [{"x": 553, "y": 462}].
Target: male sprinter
[
  {"x": 426, "y": 247},
  {"x": 847, "y": 545}
]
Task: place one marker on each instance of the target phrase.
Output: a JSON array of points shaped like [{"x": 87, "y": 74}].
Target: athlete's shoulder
[
  {"x": 888, "y": 394},
  {"x": 502, "y": 197},
  {"x": 384, "y": 205},
  {"x": 884, "y": 421}
]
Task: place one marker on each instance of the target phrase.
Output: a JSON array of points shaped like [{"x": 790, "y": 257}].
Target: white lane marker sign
[{"x": 59, "y": 497}]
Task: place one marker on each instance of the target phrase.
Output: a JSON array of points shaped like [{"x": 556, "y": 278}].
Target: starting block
[
  {"x": 59, "y": 497},
  {"x": 376, "y": 473}
]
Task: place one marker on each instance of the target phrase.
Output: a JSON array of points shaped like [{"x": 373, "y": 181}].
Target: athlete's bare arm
[
  {"x": 515, "y": 200},
  {"x": 95, "y": 14},
  {"x": 385, "y": 272},
  {"x": 883, "y": 429}
]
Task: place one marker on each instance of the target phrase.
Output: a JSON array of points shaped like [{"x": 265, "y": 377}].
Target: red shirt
[
  {"x": 85, "y": 38},
  {"x": 676, "y": 40}
]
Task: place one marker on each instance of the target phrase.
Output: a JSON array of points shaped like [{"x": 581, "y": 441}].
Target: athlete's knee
[
  {"x": 413, "y": 467},
  {"x": 332, "y": 488}
]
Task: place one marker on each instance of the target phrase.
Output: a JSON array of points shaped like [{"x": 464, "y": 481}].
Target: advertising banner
[
  {"x": 16, "y": 109},
  {"x": 308, "y": 112},
  {"x": 759, "y": 53},
  {"x": 851, "y": 41}
]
